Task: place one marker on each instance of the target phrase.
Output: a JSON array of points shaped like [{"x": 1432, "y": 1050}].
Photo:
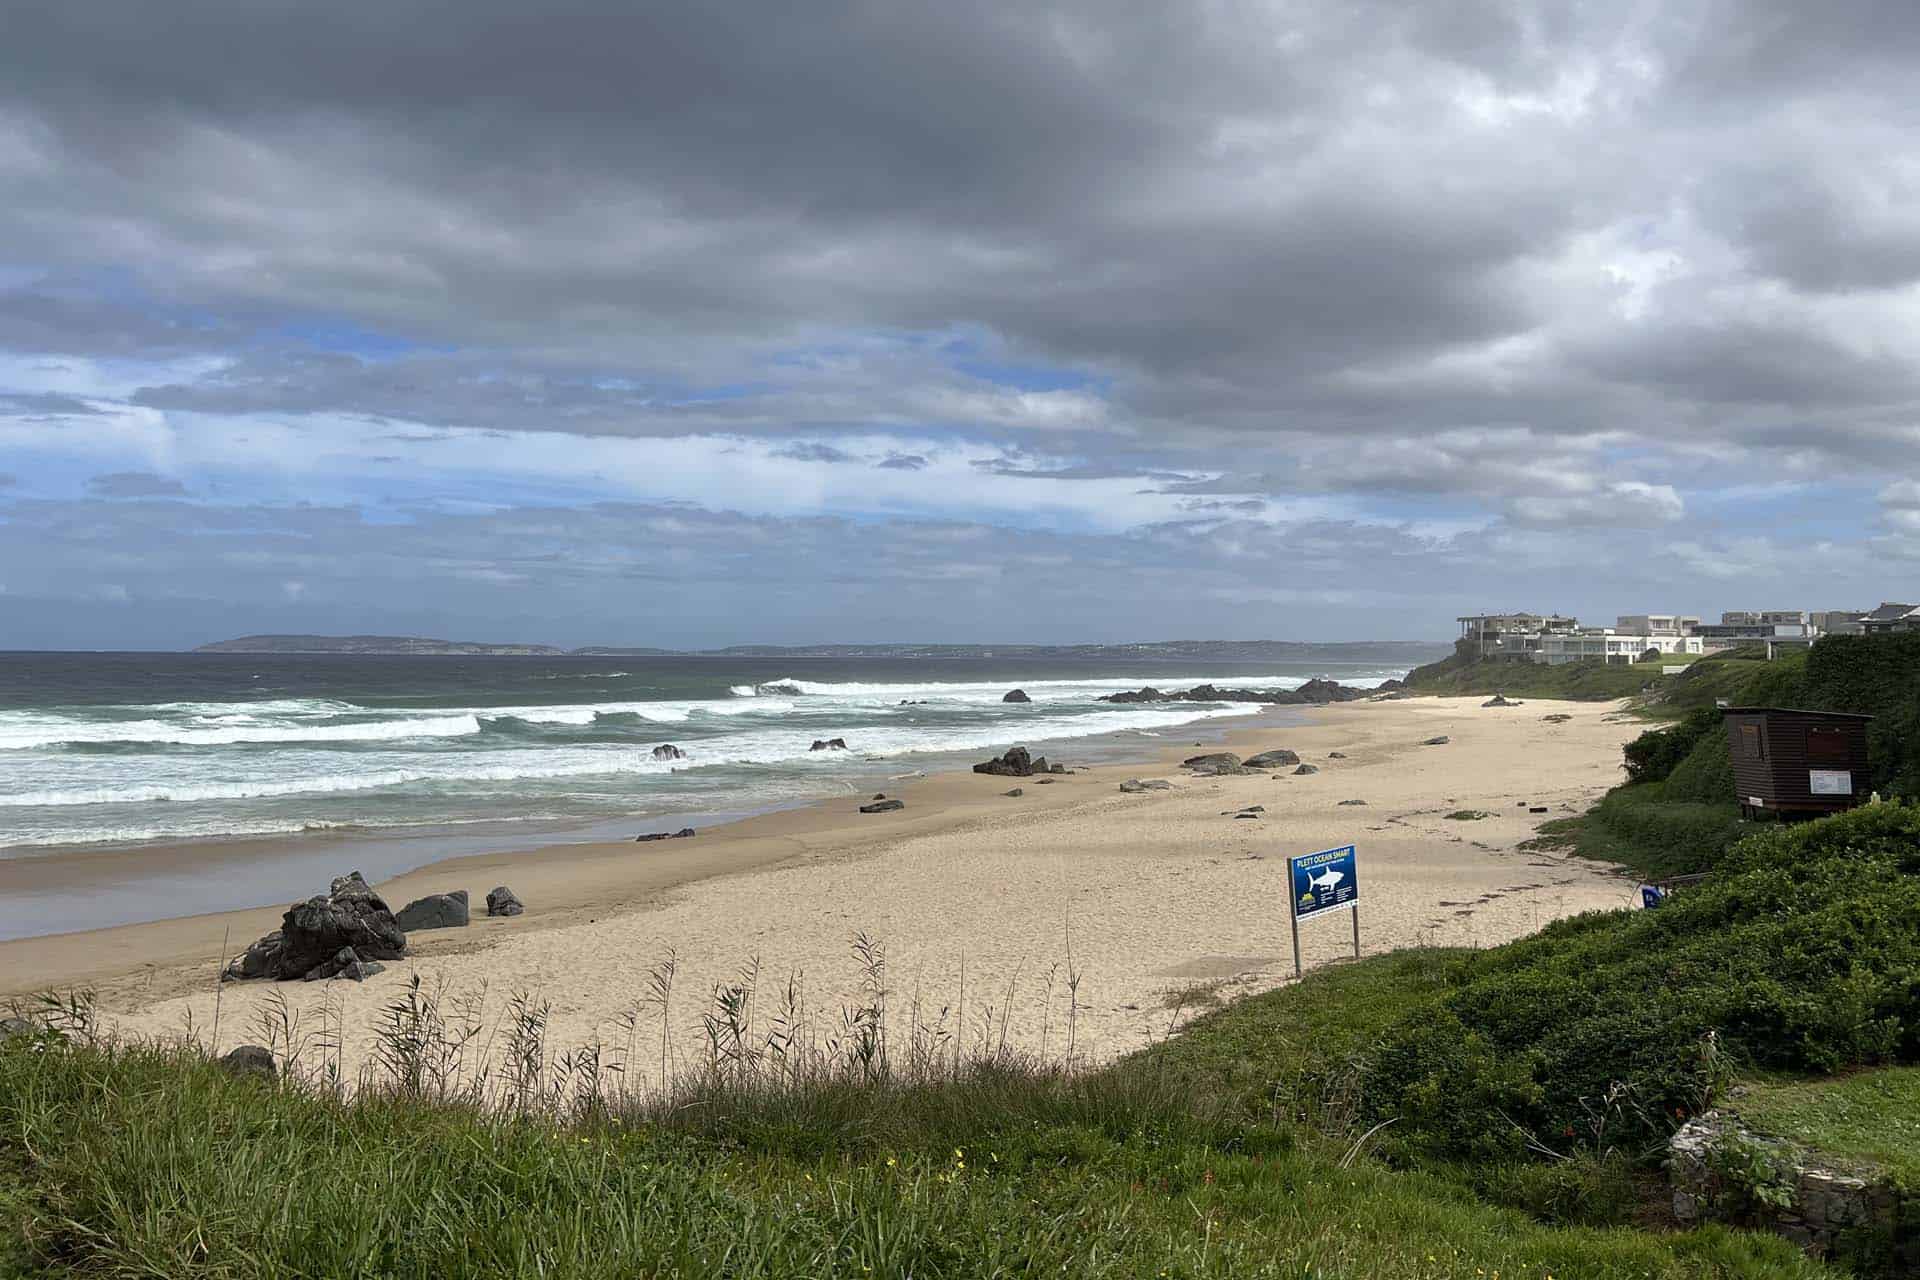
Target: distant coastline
[{"x": 1384, "y": 651}]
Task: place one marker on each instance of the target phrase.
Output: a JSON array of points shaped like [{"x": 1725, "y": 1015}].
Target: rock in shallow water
[
  {"x": 683, "y": 833},
  {"x": 1018, "y": 695}
]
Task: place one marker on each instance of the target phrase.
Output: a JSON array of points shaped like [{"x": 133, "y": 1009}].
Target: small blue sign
[
  {"x": 1651, "y": 896},
  {"x": 1324, "y": 882}
]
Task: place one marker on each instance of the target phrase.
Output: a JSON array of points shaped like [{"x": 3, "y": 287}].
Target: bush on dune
[{"x": 1802, "y": 954}]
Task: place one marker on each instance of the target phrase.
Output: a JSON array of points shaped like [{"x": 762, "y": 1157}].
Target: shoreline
[
  {"x": 1150, "y": 896},
  {"x": 270, "y": 867},
  {"x": 110, "y": 954}
]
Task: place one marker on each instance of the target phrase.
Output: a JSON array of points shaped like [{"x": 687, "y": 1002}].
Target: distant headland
[{"x": 1385, "y": 652}]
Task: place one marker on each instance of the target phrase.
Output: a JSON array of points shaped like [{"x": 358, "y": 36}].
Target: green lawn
[{"x": 1870, "y": 1117}]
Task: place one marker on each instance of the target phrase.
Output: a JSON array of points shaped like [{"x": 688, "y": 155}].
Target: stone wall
[{"x": 1721, "y": 1171}]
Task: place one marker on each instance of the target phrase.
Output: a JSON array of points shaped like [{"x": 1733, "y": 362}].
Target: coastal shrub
[
  {"x": 1800, "y": 955},
  {"x": 1653, "y": 755}
]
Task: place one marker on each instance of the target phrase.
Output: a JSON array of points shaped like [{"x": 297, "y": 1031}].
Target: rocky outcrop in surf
[
  {"x": 1017, "y": 762},
  {"x": 1315, "y": 692}
]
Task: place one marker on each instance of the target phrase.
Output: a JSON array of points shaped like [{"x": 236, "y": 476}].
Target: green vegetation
[
  {"x": 1574, "y": 682},
  {"x": 145, "y": 1162},
  {"x": 1607, "y": 1028},
  {"x": 1869, "y": 1118},
  {"x": 1677, "y": 813}
]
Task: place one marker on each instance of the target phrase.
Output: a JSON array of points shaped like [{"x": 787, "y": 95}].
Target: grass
[
  {"x": 1195, "y": 1158},
  {"x": 1867, "y": 1118}
]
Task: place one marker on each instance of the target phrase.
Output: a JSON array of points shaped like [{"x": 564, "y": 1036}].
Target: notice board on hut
[{"x": 1789, "y": 761}]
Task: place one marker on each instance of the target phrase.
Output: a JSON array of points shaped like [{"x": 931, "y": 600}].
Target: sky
[{"x": 691, "y": 325}]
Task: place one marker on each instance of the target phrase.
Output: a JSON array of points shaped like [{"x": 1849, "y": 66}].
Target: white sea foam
[{"x": 762, "y": 747}]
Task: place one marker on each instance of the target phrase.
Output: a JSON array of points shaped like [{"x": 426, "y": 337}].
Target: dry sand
[{"x": 1144, "y": 897}]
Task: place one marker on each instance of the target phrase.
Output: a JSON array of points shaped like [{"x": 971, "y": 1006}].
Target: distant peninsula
[{"x": 1385, "y": 652}]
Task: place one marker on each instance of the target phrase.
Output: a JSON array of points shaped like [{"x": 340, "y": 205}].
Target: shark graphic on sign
[{"x": 1326, "y": 879}]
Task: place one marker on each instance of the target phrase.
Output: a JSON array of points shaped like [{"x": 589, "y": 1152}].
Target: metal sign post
[{"x": 1320, "y": 883}]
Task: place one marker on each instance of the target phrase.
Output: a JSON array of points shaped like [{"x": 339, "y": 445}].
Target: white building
[
  {"x": 1512, "y": 637},
  {"x": 1656, "y": 624},
  {"x": 1607, "y": 644}
]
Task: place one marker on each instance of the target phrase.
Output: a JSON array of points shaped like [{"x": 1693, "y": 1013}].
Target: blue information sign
[{"x": 1324, "y": 882}]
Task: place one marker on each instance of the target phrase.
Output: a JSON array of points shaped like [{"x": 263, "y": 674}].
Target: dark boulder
[
  {"x": 351, "y": 916},
  {"x": 502, "y": 902},
  {"x": 1272, "y": 759},
  {"x": 667, "y": 751},
  {"x": 1353, "y": 802},
  {"x": 22, "y": 1028},
  {"x": 683, "y": 833},
  {"x": 435, "y": 911},
  {"x": 883, "y": 806},
  {"x": 828, "y": 744},
  {"x": 1440, "y": 741},
  {"x": 249, "y": 1060},
  {"x": 1018, "y": 695},
  {"x": 1306, "y": 769},
  {"x": 1216, "y": 764},
  {"x": 1148, "y": 694},
  {"x": 1336, "y": 755}
]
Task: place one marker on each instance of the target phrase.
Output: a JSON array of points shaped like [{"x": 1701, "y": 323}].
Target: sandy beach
[{"x": 982, "y": 901}]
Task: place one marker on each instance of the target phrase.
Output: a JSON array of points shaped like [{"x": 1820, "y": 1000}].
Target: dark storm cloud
[
  {"x": 1249, "y": 222},
  {"x": 1537, "y": 264},
  {"x": 135, "y": 484}
]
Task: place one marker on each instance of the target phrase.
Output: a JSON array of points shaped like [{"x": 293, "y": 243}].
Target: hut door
[{"x": 1829, "y": 761}]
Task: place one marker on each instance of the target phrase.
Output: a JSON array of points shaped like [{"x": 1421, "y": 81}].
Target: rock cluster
[
  {"x": 1500, "y": 700},
  {"x": 1132, "y": 785},
  {"x": 682, "y": 834},
  {"x": 1315, "y": 692},
  {"x": 338, "y": 934},
  {"x": 1823, "y": 1205},
  {"x": 828, "y": 744},
  {"x": 667, "y": 751},
  {"x": 1017, "y": 762}
]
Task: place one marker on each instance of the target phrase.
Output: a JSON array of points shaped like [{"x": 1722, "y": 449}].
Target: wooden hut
[{"x": 1797, "y": 763}]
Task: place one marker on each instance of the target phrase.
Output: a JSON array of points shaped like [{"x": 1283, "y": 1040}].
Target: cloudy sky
[{"x": 698, "y": 324}]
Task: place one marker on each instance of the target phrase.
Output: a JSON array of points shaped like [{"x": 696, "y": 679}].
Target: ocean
[{"x": 427, "y": 756}]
